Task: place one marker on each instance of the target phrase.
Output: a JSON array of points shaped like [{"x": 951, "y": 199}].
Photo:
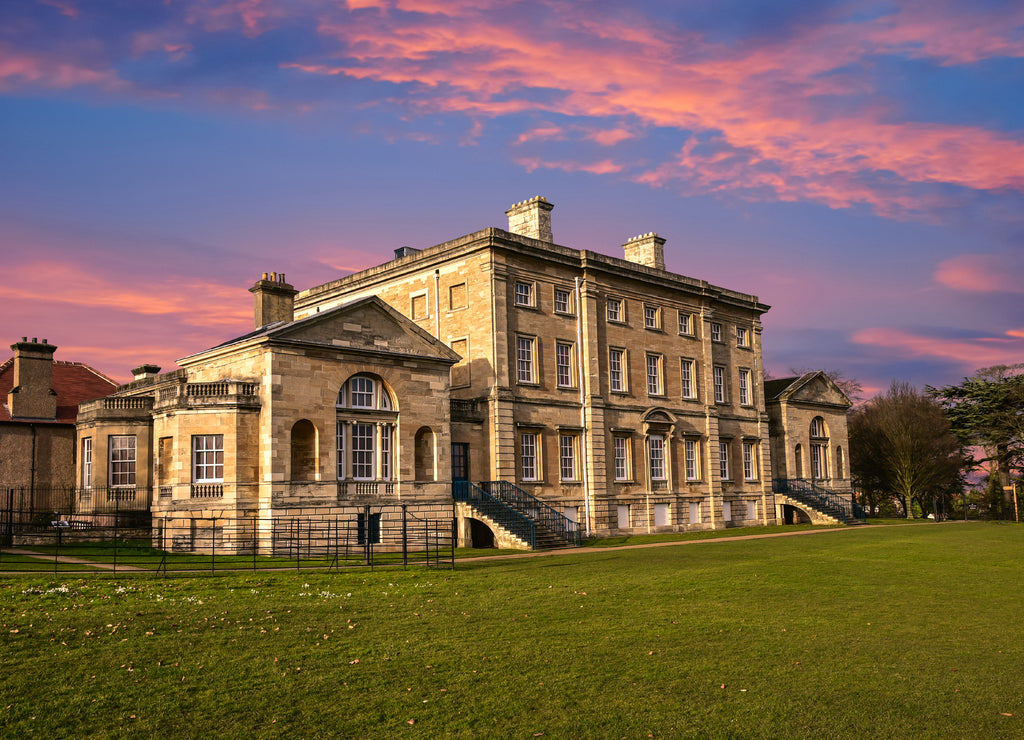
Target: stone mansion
[{"x": 499, "y": 365}]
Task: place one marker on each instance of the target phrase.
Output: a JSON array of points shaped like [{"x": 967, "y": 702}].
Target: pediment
[{"x": 816, "y": 388}]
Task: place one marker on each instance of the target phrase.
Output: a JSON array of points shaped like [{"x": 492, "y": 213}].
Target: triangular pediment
[
  {"x": 366, "y": 326},
  {"x": 815, "y": 388}
]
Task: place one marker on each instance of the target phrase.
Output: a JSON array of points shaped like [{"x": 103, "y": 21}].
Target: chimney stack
[
  {"x": 145, "y": 372},
  {"x": 647, "y": 249},
  {"x": 275, "y": 299},
  {"x": 32, "y": 396},
  {"x": 531, "y": 218}
]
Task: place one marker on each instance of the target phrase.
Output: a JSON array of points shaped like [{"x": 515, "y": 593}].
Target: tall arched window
[
  {"x": 367, "y": 419},
  {"x": 819, "y": 448}
]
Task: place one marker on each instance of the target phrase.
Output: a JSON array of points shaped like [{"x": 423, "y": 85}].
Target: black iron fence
[{"x": 137, "y": 542}]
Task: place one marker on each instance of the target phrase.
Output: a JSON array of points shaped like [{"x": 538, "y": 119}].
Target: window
[
  {"x": 819, "y": 461},
  {"x": 615, "y": 310},
  {"x": 524, "y": 294},
  {"x": 528, "y": 455},
  {"x": 122, "y": 460},
  {"x": 616, "y": 377},
  {"x": 622, "y": 516},
  {"x": 567, "y": 457},
  {"x": 563, "y": 301},
  {"x": 685, "y": 323},
  {"x": 744, "y": 387},
  {"x": 690, "y": 452},
  {"x": 656, "y": 456},
  {"x": 368, "y": 529},
  {"x": 661, "y": 515},
  {"x": 420, "y": 309},
  {"x": 524, "y": 359},
  {"x": 749, "y": 465},
  {"x": 457, "y": 296},
  {"x": 563, "y": 365},
  {"x": 340, "y": 433},
  {"x": 362, "y": 392},
  {"x": 362, "y": 452},
  {"x": 719, "y": 381},
  {"x": 87, "y": 462},
  {"x": 621, "y": 457},
  {"x": 654, "y": 375},
  {"x": 723, "y": 460},
  {"x": 688, "y": 374},
  {"x": 727, "y": 511},
  {"x": 652, "y": 317},
  {"x": 694, "y": 512},
  {"x": 716, "y": 331},
  {"x": 751, "y": 510},
  {"x": 742, "y": 337},
  {"x": 385, "y": 452},
  {"x": 208, "y": 458},
  {"x": 818, "y": 428}
]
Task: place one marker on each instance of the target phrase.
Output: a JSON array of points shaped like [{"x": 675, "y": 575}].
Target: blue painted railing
[
  {"x": 817, "y": 497},
  {"x": 497, "y": 511},
  {"x": 555, "y": 522}
]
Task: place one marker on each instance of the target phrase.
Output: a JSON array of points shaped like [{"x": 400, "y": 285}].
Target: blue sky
[{"x": 857, "y": 165}]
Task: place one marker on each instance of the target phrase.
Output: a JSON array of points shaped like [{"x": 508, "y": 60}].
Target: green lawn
[{"x": 861, "y": 632}]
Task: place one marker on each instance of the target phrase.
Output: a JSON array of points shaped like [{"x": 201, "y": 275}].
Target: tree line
[{"x": 918, "y": 447}]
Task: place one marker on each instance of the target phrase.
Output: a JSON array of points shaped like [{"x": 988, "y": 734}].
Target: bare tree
[{"x": 901, "y": 444}]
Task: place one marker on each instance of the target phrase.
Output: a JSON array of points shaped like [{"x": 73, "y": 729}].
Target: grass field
[{"x": 863, "y": 632}]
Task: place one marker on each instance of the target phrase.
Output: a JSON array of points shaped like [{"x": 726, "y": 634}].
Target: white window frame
[
  {"x": 749, "y": 462},
  {"x": 686, "y": 323},
  {"x": 122, "y": 455},
  {"x": 652, "y": 317},
  {"x": 723, "y": 461},
  {"x": 716, "y": 331},
  {"x": 744, "y": 387},
  {"x": 526, "y": 365},
  {"x": 655, "y": 379},
  {"x": 688, "y": 376},
  {"x": 525, "y": 294},
  {"x": 616, "y": 375},
  {"x": 568, "y": 469},
  {"x": 364, "y": 456},
  {"x": 819, "y": 461},
  {"x": 718, "y": 377},
  {"x": 616, "y": 315},
  {"x": 86, "y": 462},
  {"x": 620, "y": 456},
  {"x": 528, "y": 467},
  {"x": 657, "y": 457},
  {"x": 692, "y": 462},
  {"x": 564, "y": 375},
  {"x": 567, "y": 308},
  {"x": 207, "y": 458},
  {"x": 742, "y": 336},
  {"x": 339, "y": 434}
]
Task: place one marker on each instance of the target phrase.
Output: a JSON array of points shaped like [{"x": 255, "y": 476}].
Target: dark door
[{"x": 460, "y": 461}]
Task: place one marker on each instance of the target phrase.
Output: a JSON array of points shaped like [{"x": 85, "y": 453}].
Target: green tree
[
  {"x": 901, "y": 444},
  {"x": 986, "y": 412}
]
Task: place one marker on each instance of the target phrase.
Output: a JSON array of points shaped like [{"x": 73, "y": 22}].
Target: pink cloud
[
  {"x": 983, "y": 273},
  {"x": 64, "y": 6},
  {"x": 610, "y": 137},
  {"x": 603, "y": 167},
  {"x": 971, "y": 353}
]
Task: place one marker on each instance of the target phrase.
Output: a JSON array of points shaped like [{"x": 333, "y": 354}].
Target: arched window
[
  {"x": 425, "y": 467},
  {"x": 367, "y": 420},
  {"x": 304, "y": 451},
  {"x": 819, "y": 448}
]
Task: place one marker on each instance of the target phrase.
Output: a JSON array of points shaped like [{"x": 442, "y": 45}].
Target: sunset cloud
[
  {"x": 983, "y": 273},
  {"x": 971, "y": 353}
]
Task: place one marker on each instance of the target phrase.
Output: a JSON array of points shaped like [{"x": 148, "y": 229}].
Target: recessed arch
[
  {"x": 304, "y": 457},
  {"x": 426, "y": 454}
]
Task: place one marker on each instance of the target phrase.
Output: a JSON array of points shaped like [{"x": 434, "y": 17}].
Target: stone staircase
[
  {"x": 820, "y": 502},
  {"x": 516, "y": 515}
]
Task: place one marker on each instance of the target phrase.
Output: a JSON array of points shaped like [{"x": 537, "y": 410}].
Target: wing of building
[{"x": 582, "y": 392}]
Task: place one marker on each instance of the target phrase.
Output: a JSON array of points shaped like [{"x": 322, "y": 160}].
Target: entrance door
[{"x": 460, "y": 461}]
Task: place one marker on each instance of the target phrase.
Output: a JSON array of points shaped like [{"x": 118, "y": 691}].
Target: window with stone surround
[
  {"x": 652, "y": 316},
  {"x": 742, "y": 337},
  {"x": 620, "y": 447},
  {"x": 564, "y": 365},
  {"x": 365, "y": 429},
  {"x": 567, "y": 457},
  {"x": 420, "y": 307},
  {"x": 686, "y": 323},
  {"x": 688, "y": 375},
  {"x": 616, "y": 370},
  {"x": 691, "y": 462},
  {"x": 716, "y": 331},
  {"x": 564, "y": 302},
  {"x": 207, "y": 458},
  {"x": 528, "y": 456},
  {"x": 744, "y": 387},
  {"x": 718, "y": 376},
  {"x": 655, "y": 384},
  {"x": 525, "y": 294},
  {"x": 749, "y": 461},
  {"x": 122, "y": 460},
  {"x": 457, "y": 297},
  {"x": 525, "y": 351},
  {"x": 87, "y": 462},
  {"x": 616, "y": 311},
  {"x": 656, "y": 456},
  {"x": 723, "y": 461}
]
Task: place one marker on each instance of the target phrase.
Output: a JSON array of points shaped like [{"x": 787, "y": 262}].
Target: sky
[{"x": 857, "y": 165}]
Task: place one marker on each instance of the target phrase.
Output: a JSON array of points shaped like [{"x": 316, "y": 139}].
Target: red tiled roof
[{"x": 74, "y": 382}]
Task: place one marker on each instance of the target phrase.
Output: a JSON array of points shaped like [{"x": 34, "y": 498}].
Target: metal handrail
[
  {"x": 815, "y": 495},
  {"x": 557, "y": 523},
  {"x": 498, "y": 511}
]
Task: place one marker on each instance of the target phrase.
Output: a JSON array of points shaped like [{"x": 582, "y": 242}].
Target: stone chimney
[
  {"x": 275, "y": 299},
  {"x": 32, "y": 396},
  {"x": 647, "y": 249},
  {"x": 531, "y": 218},
  {"x": 145, "y": 372}
]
